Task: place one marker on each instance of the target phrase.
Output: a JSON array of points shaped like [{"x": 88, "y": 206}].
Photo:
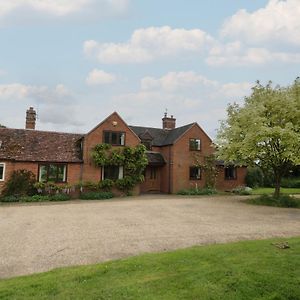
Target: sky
[{"x": 77, "y": 61}]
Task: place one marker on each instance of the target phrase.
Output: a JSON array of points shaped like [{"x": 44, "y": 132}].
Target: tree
[{"x": 265, "y": 131}]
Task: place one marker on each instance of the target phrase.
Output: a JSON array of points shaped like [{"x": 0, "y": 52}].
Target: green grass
[
  {"x": 244, "y": 270},
  {"x": 261, "y": 191}
]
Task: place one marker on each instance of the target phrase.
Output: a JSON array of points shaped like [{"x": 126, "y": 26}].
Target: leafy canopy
[{"x": 265, "y": 130}]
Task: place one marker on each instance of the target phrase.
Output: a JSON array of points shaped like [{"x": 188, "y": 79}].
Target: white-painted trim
[{"x": 3, "y": 175}]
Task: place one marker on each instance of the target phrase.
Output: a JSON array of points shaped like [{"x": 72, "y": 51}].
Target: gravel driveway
[{"x": 40, "y": 237}]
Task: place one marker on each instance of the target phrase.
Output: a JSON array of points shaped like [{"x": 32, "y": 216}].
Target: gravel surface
[{"x": 40, "y": 237}]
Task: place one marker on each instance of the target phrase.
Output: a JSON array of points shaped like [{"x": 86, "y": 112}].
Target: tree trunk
[{"x": 277, "y": 185}]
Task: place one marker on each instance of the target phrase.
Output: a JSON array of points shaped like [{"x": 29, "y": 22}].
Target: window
[
  {"x": 195, "y": 173},
  {"x": 2, "y": 171},
  {"x": 230, "y": 173},
  {"x": 147, "y": 144},
  {"x": 112, "y": 172},
  {"x": 195, "y": 144},
  {"x": 53, "y": 173},
  {"x": 114, "y": 138},
  {"x": 152, "y": 173}
]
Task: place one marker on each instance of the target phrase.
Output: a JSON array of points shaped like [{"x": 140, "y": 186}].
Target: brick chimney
[
  {"x": 30, "y": 118},
  {"x": 168, "y": 122}
]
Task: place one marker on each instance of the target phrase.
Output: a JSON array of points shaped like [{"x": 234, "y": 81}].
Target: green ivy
[{"x": 133, "y": 159}]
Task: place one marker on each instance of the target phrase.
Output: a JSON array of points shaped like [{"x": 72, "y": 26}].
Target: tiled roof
[
  {"x": 35, "y": 145},
  {"x": 161, "y": 137},
  {"x": 155, "y": 158}
]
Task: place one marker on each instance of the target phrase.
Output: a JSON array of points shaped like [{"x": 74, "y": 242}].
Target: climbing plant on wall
[{"x": 133, "y": 160}]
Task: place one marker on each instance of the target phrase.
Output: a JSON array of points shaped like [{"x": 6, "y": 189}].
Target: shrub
[
  {"x": 281, "y": 201},
  {"x": 60, "y": 197},
  {"x": 254, "y": 177},
  {"x": 193, "y": 192},
  {"x": 290, "y": 182},
  {"x": 9, "y": 199},
  {"x": 125, "y": 184},
  {"x": 242, "y": 190},
  {"x": 20, "y": 183},
  {"x": 96, "y": 195},
  {"x": 106, "y": 185}
]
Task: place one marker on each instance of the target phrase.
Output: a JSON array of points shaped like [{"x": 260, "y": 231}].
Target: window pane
[
  {"x": 195, "y": 144},
  {"x": 52, "y": 173},
  {"x": 43, "y": 174},
  {"x": 1, "y": 172},
  {"x": 61, "y": 175},
  {"x": 230, "y": 173},
  {"x": 122, "y": 139},
  {"x": 106, "y": 137},
  {"x": 195, "y": 173},
  {"x": 111, "y": 172},
  {"x": 114, "y": 138}
]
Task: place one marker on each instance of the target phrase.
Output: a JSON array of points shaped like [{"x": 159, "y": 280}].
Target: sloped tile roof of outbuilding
[{"x": 35, "y": 145}]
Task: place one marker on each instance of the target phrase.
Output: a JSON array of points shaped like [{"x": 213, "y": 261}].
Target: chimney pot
[
  {"x": 30, "y": 118},
  {"x": 168, "y": 123}
]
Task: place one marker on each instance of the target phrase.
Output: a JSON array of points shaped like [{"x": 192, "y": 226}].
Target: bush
[
  {"x": 254, "y": 177},
  {"x": 290, "y": 182},
  {"x": 106, "y": 185},
  {"x": 194, "y": 192},
  {"x": 36, "y": 198},
  {"x": 281, "y": 201},
  {"x": 20, "y": 183},
  {"x": 9, "y": 199},
  {"x": 96, "y": 195},
  {"x": 242, "y": 190},
  {"x": 60, "y": 197},
  {"x": 125, "y": 184}
]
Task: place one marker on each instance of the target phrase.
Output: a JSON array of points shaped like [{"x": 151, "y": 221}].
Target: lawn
[
  {"x": 244, "y": 270},
  {"x": 265, "y": 190}
]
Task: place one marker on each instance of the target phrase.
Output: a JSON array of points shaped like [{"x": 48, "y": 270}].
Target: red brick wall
[
  {"x": 227, "y": 185},
  {"x": 184, "y": 158},
  {"x": 73, "y": 171},
  {"x": 94, "y": 137}
]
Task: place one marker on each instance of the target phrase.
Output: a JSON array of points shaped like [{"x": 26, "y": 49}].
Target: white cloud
[
  {"x": 278, "y": 22},
  {"x": 148, "y": 44},
  {"x": 16, "y": 11},
  {"x": 188, "y": 95},
  {"x": 236, "y": 54},
  {"x": 19, "y": 91},
  {"x": 99, "y": 77},
  {"x": 56, "y": 106},
  {"x": 176, "y": 81}
]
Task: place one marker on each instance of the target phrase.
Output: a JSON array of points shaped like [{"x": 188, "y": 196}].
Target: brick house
[{"x": 65, "y": 157}]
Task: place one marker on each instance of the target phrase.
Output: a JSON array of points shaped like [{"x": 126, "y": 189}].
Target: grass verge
[
  {"x": 244, "y": 270},
  {"x": 264, "y": 190},
  {"x": 268, "y": 200}
]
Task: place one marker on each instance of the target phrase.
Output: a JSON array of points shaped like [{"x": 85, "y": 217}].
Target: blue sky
[{"x": 76, "y": 61}]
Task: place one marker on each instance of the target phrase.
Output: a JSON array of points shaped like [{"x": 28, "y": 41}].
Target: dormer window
[
  {"x": 114, "y": 138},
  {"x": 147, "y": 144}
]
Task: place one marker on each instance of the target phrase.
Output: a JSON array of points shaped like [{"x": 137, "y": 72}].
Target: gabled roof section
[
  {"x": 39, "y": 146},
  {"x": 118, "y": 116},
  {"x": 160, "y": 136}
]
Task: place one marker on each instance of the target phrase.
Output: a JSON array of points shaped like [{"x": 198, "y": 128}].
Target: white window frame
[
  {"x": 120, "y": 176},
  {"x": 3, "y": 174}
]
